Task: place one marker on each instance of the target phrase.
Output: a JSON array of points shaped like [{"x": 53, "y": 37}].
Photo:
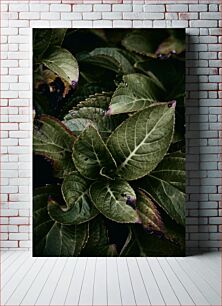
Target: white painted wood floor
[{"x": 192, "y": 280}]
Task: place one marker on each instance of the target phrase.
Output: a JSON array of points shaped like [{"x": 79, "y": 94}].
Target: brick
[
  {"x": 121, "y": 7},
  {"x": 83, "y": 8},
  {"x": 51, "y": 16},
  {"x": 177, "y": 8},
  {"x": 60, "y": 7},
  {"x": 102, "y": 7},
  {"x": 122, "y": 23},
  {"x": 35, "y": 7},
  {"x": 102, "y": 23},
  {"x": 197, "y": 7},
  {"x": 135, "y": 15},
  {"x": 137, "y": 8},
  {"x": 18, "y": 7},
  {"x": 71, "y": 16},
  {"x": 18, "y": 220},
  {"x": 9, "y": 244},
  {"x": 93, "y": 15},
  {"x": 18, "y": 236},
  {"x": 29, "y": 15},
  {"x": 9, "y": 212},
  {"x": 203, "y": 23},
  {"x": 154, "y": 8},
  {"x": 210, "y": 15},
  {"x": 82, "y": 23}
]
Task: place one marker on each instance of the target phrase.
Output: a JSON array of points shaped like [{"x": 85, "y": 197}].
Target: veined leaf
[
  {"x": 58, "y": 36},
  {"x": 90, "y": 154},
  {"x": 54, "y": 141},
  {"x": 153, "y": 245},
  {"x": 63, "y": 63},
  {"x": 141, "y": 141},
  {"x": 98, "y": 243},
  {"x": 110, "y": 58},
  {"x": 75, "y": 191},
  {"x": 135, "y": 93},
  {"x": 144, "y": 42},
  {"x": 52, "y": 238},
  {"x": 41, "y": 41},
  {"x": 166, "y": 186},
  {"x": 148, "y": 213},
  {"x": 171, "y": 44},
  {"x": 110, "y": 199},
  {"x": 92, "y": 111},
  {"x": 173, "y": 80}
]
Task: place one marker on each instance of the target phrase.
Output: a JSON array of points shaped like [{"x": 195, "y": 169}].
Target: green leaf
[
  {"x": 135, "y": 93},
  {"x": 51, "y": 238},
  {"x": 75, "y": 191},
  {"x": 63, "y": 63},
  {"x": 130, "y": 247},
  {"x": 41, "y": 41},
  {"x": 90, "y": 154},
  {"x": 148, "y": 213},
  {"x": 109, "y": 58},
  {"x": 171, "y": 44},
  {"x": 98, "y": 243},
  {"x": 54, "y": 141},
  {"x": 166, "y": 186},
  {"x": 173, "y": 81},
  {"x": 110, "y": 199},
  {"x": 58, "y": 36},
  {"x": 92, "y": 111},
  {"x": 152, "y": 245},
  {"x": 144, "y": 42},
  {"x": 141, "y": 141}
]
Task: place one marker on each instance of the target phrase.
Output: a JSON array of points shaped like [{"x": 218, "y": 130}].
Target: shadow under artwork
[{"x": 108, "y": 142}]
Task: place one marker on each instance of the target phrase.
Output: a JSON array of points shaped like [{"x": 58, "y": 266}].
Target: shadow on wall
[{"x": 194, "y": 191}]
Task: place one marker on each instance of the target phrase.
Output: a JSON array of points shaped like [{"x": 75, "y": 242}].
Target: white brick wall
[{"x": 201, "y": 19}]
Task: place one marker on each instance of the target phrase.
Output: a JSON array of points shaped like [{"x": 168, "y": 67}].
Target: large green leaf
[
  {"x": 79, "y": 209},
  {"x": 63, "y": 63},
  {"x": 111, "y": 197},
  {"x": 141, "y": 141},
  {"x": 135, "y": 93},
  {"x": 173, "y": 81},
  {"x": 153, "y": 245},
  {"x": 51, "y": 238},
  {"x": 166, "y": 186},
  {"x": 90, "y": 154},
  {"x": 148, "y": 213},
  {"x": 109, "y": 58},
  {"x": 144, "y": 42},
  {"x": 54, "y": 141},
  {"x": 92, "y": 111},
  {"x": 171, "y": 44},
  {"x": 98, "y": 243}
]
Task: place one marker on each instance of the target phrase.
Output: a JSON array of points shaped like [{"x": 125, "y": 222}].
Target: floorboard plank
[
  {"x": 63, "y": 285},
  {"x": 75, "y": 286},
  {"x": 181, "y": 292},
  {"x": 11, "y": 261},
  {"x": 167, "y": 291},
  {"x": 137, "y": 281},
  {"x": 39, "y": 282},
  {"x": 190, "y": 286},
  {"x": 113, "y": 285},
  {"x": 13, "y": 270},
  {"x": 213, "y": 279},
  {"x": 48, "y": 290},
  {"x": 152, "y": 287},
  {"x": 19, "y": 292},
  {"x": 100, "y": 284},
  {"x": 126, "y": 289},
  {"x": 86, "y": 295},
  {"x": 208, "y": 292}
]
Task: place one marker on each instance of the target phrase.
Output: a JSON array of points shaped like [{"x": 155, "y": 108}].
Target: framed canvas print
[{"x": 108, "y": 142}]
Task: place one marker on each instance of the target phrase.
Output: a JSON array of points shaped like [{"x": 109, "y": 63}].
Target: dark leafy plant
[{"x": 118, "y": 154}]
